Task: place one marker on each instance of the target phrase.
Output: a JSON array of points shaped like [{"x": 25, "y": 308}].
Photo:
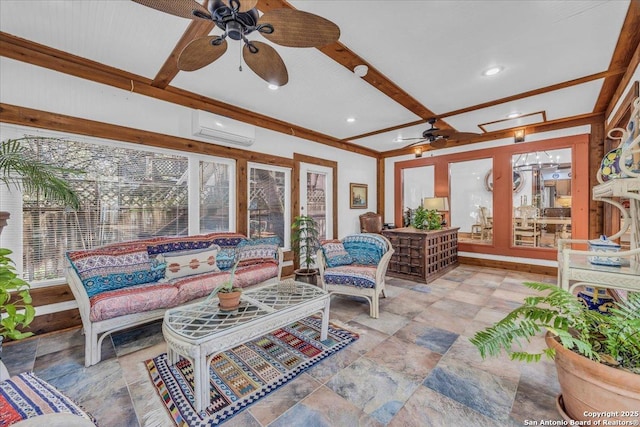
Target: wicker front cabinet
[{"x": 422, "y": 255}]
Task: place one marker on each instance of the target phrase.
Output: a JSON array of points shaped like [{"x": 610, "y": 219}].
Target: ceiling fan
[
  {"x": 238, "y": 18},
  {"x": 437, "y": 138}
]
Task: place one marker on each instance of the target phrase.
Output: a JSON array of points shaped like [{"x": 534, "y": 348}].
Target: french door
[{"x": 316, "y": 196}]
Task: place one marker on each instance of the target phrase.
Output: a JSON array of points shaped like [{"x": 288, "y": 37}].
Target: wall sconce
[
  {"x": 518, "y": 136},
  {"x": 418, "y": 152}
]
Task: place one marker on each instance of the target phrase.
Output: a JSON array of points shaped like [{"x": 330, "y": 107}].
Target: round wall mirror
[{"x": 518, "y": 181}]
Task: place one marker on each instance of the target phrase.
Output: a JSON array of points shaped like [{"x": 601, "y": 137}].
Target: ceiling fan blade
[
  {"x": 439, "y": 143},
  {"x": 415, "y": 143},
  {"x": 200, "y": 53},
  {"x": 295, "y": 28},
  {"x": 245, "y": 5},
  {"x": 181, "y": 8},
  {"x": 266, "y": 63}
]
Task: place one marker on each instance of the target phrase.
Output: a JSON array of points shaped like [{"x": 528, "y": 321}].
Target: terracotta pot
[
  {"x": 307, "y": 276},
  {"x": 589, "y": 387},
  {"x": 229, "y": 300}
]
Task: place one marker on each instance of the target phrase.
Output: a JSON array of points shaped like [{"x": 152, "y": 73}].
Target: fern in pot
[
  {"x": 597, "y": 355},
  {"x": 304, "y": 243}
]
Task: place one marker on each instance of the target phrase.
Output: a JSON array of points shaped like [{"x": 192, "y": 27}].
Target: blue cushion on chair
[
  {"x": 335, "y": 253},
  {"x": 359, "y": 276},
  {"x": 365, "y": 248}
]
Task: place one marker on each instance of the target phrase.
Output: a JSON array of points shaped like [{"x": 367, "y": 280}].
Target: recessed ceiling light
[
  {"x": 273, "y": 87},
  {"x": 351, "y": 119},
  {"x": 492, "y": 71},
  {"x": 514, "y": 115}
]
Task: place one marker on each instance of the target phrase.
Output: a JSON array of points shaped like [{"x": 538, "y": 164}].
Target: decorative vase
[
  {"x": 596, "y": 299},
  {"x": 229, "y": 300},
  {"x": 590, "y": 390}
]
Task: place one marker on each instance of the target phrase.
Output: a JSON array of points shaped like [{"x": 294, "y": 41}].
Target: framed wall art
[{"x": 359, "y": 196}]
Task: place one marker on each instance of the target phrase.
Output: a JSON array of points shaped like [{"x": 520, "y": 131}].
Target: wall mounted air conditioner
[{"x": 222, "y": 129}]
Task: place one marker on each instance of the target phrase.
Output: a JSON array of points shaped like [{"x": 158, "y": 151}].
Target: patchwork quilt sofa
[
  {"x": 356, "y": 265},
  {"x": 131, "y": 283}
]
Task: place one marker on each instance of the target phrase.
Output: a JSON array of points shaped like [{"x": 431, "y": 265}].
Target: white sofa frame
[
  {"x": 372, "y": 295},
  {"x": 96, "y": 332}
]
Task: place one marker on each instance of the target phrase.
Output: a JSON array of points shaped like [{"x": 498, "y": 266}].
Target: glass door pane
[{"x": 316, "y": 196}]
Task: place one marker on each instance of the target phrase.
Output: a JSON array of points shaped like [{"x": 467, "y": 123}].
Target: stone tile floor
[{"x": 414, "y": 366}]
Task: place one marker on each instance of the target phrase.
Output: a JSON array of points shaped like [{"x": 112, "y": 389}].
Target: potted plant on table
[
  {"x": 304, "y": 243},
  {"x": 229, "y": 294},
  {"x": 597, "y": 355},
  {"x": 426, "y": 219}
]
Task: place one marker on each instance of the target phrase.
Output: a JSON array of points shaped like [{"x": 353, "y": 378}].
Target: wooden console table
[{"x": 422, "y": 255}]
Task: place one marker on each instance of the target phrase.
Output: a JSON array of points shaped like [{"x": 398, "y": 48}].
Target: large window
[
  {"x": 215, "y": 180},
  {"x": 126, "y": 193},
  {"x": 269, "y": 201},
  {"x": 471, "y": 202}
]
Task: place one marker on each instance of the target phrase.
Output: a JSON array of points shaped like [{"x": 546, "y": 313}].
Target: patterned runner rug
[{"x": 243, "y": 375}]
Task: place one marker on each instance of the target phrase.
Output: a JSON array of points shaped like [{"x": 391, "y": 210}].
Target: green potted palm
[
  {"x": 304, "y": 243},
  {"x": 19, "y": 170},
  {"x": 597, "y": 354}
]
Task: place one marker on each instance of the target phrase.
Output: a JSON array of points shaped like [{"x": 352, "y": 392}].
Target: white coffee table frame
[{"x": 199, "y": 331}]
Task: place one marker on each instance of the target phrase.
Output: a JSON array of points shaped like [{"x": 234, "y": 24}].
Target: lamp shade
[{"x": 440, "y": 204}]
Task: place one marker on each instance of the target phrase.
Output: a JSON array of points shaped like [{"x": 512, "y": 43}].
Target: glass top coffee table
[{"x": 201, "y": 330}]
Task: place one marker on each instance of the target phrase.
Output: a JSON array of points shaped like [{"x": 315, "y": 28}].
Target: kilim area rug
[{"x": 243, "y": 375}]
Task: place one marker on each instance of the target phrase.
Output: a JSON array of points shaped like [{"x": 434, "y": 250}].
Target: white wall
[{"x": 39, "y": 88}]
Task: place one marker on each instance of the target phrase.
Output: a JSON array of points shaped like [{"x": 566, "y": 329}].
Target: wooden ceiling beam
[
  {"x": 196, "y": 29},
  {"x": 567, "y": 122},
  {"x": 622, "y": 56},
  {"x": 53, "y": 59},
  {"x": 349, "y": 59},
  {"x": 624, "y": 82},
  {"x": 534, "y": 92}
]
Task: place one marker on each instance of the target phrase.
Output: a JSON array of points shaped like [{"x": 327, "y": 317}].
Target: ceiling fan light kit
[{"x": 237, "y": 19}]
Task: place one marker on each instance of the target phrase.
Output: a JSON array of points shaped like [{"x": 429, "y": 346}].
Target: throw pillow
[
  {"x": 189, "y": 264},
  {"x": 335, "y": 253},
  {"x": 111, "y": 268},
  {"x": 226, "y": 258},
  {"x": 365, "y": 248},
  {"x": 257, "y": 251}
]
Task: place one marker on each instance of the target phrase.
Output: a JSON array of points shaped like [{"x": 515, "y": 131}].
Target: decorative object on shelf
[
  {"x": 518, "y": 181},
  {"x": 624, "y": 160},
  {"x": 604, "y": 245},
  {"x": 610, "y": 165},
  {"x": 597, "y": 355},
  {"x": 438, "y": 204},
  {"x": 358, "y": 196},
  {"x": 426, "y": 219},
  {"x": 304, "y": 243},
  {"x": 596, "y": 299}
]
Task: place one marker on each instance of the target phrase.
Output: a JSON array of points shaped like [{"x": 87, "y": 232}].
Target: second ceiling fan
[
  {"x": 437, "y": 138},
  {"x": 238, "y": 18}
]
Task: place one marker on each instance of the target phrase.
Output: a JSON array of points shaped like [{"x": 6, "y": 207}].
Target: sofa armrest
[
  {"x": 321, "y": 263},
  {"x": 79, "y": 293}
]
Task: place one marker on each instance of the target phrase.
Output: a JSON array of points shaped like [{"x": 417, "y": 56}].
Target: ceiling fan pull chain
[{"x": 240, "y": 57}]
